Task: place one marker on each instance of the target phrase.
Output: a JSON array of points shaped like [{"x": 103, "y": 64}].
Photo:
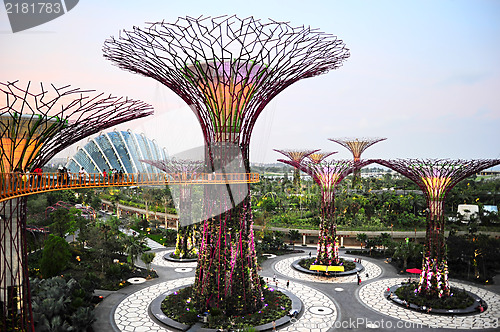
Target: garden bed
[
  {"x": 169, "y": 256},
  {"x": 175, "y": 309},
  {"x": 350, "y": 267},
  {"x": 460, "y": 303}
]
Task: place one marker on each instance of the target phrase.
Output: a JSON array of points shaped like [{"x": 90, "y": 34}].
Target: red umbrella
[{"x": 414, "y": 271}]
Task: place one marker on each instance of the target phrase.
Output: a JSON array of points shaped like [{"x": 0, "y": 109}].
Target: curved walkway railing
[{"x": 18, "y": 184}]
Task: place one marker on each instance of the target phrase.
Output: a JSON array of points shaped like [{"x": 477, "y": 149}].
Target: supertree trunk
[
  {"x": 185, "y": 244},
  {"x": 328, "y": 249},
  {"x": 226, "y": 275},
  {"x": 15, "y": 304},
  {"x": 434, "y": 277}
]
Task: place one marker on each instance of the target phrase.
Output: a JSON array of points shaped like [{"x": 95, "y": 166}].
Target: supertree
[
  {"x": 296, "y": 156},
  {"x": 436, "y": 177},
  {"x": 227, "y": 69},
  {"x": 327, "y": 174},
  {"x": 35, "y": 124},
  {"x": 185, "y": 245},
  {"x": 357, "y": 146}
]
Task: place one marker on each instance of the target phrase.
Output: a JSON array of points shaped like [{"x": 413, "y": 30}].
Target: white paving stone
[
  {"x": 372, "y": 295},
  {"x": 134, "y": 308},
  {"x": 284, "y": 267}
]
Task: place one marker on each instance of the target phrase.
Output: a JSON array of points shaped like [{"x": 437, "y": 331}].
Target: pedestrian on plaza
[
  {"x": 274, "y": 325},
  {"x": 274, "y": 277},
  {"x": 287, "y": 283},
  {"x": 359, "y": 280},
  {"x": 309, "y": 254},
  {"x": 276, "y": 283}
]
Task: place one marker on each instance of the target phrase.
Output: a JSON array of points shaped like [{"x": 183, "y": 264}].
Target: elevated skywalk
[{"x": 18, "y": 184}]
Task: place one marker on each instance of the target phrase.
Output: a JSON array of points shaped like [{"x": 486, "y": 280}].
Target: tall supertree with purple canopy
[
  {"x": 436, "y": 177},
  {"x": 227, "y": 69},
  {"x": 37, "y": 122},
  {"x": 185, "y": 170},
  {"x": 327, "y": 174}
]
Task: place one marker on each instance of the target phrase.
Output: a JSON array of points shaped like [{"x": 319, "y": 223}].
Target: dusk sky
[{"x": 424, "y": 74}]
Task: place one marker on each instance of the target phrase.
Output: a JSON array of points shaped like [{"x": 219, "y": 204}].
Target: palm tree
[
  {"x": 361, "y": 237},
  {"x": 134, "y": 246},
  {"x": 404, "y": 251},
  {"x": 294, "y": 235}
]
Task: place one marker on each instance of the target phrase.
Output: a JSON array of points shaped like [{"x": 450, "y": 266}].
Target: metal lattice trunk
[{"x": 436, "y": 177}]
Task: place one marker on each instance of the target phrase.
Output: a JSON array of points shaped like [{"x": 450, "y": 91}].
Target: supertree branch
[
  {"x": 357, "y": 145},
  {"x": 328, "y": 174},
  {"x": 436, "y": 177},
  {"x": 48, "y": 119},
  {"x": 318, "y": 157},
  {"x": 226, "y": 68}
]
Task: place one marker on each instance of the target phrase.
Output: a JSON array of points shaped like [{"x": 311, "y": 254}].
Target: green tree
[
  {"x": 147, "y": 258},
  {"x": 407, "y": 250},
  {"x": 294, "y": 235},
  {"x": 61, "y": 222},
  {"x": 361, "y": 237},
  {"x": 55, "y": 257},
  {"x": 385, "y": 240},
  {"x": 134, "y": 246}
]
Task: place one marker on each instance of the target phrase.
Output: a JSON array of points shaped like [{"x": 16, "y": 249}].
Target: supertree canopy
[
  {"x": 318, "y": 157},
  {"x": 296, "y": 156},
  {"x": 36, "y": 122},
  {"x": 357, "y": 146},
  {"x": 436, "y": 177},
  {"x": 185, "y": 246},
  {"x": 227, "y": 69},
  {"x": 327, "y": 174}
]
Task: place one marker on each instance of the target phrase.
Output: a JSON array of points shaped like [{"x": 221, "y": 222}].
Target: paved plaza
[{"x": 330, "y": 304}]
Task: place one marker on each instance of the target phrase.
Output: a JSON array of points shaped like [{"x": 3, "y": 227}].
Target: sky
[{"x": 423, "y": 74}]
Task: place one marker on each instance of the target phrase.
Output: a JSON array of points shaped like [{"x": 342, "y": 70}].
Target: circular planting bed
[
  {"x": 169, "y": 257},
  {"x": 175, "y": 309},
  {"x": 461, "y": 302},
  {"x": 350, "y": 267}
]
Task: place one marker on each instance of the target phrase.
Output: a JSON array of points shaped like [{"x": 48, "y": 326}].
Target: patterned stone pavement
[
  {"x": 159, "y": 261},
  {"x": 372, "y": 295},
  {"x": 284, "y": 267},
  {"x": 131, "y": 314}
]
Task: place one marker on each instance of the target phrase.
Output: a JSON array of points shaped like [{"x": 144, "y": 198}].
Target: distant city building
[{"x": 120, "y": 150}]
